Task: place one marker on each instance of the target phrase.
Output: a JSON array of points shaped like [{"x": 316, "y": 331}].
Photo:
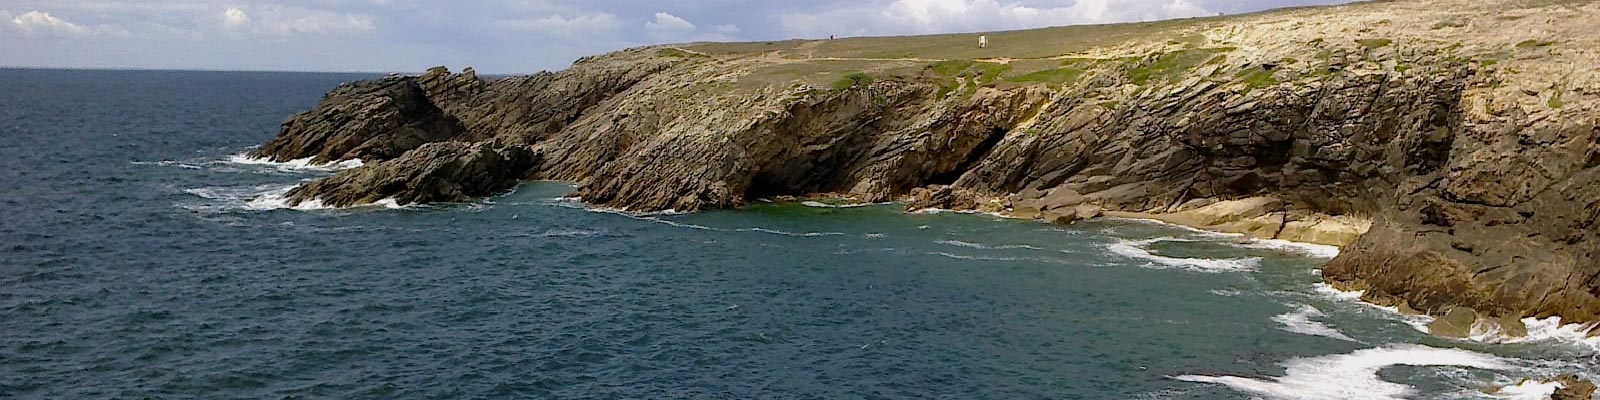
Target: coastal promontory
[{"x": 1451, "y": 147}]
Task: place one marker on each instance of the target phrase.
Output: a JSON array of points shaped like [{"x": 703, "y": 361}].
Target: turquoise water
[{"x": 143, "y": 258}]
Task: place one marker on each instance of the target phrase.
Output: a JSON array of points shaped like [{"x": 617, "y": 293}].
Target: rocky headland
[{"x": 1451, "y": 147}]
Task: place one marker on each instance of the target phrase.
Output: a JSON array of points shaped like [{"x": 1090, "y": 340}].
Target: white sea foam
[
  {"x": 959, "y": 243},
  {"x": 1138, "y": 249},
  {"x": 389, "y": 203},
  {"x": 299, "y": 164},
  {"x": 565, "y": 233},
  {"x": 1539, "y": 330},
  {"x": 819, "y": 204},
  {"x": 1353, "y": 375},
  {"x": 786, "y": 233},
  {"x": 266, "y": 197},
  {"x": 169, "y": 163},
  {"x": 1309, "y": 249},
  {"x": 1300, "y": 321},
  {"x": 975, "y": 258},
  {"x": 279, "y": 199},
  {"x": 1530, "y": 389},
  {"x": 1418, "y": 322}
]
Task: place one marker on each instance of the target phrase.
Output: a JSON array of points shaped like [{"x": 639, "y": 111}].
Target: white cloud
[
  {"x": 280, "y": 21},
  {"x": 580, "y": 26},
  {"x": 671, "y": 28},
  {"x": 235, "y": 18},
  {"x": 43, "y": 22},
  {"x": 942, "y": 16},
  {"x": 667, "y": 23}
]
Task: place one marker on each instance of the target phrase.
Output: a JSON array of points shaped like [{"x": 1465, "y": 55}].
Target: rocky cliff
[{"x": 1450, "y": 146}]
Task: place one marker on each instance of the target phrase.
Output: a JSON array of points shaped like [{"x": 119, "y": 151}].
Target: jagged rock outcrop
[
  {"x": 1573, "y": 388},
  {"x": 366, "y": 120},
  {"x": 1452, "y": 146},
  {"x": 433, "y": 173}
]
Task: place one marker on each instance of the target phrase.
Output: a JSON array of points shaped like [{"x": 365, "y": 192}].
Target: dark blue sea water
[{"x": 143, "y": 258}]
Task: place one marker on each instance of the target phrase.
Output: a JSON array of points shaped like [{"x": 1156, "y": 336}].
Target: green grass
[
  {"x": 1256, "y": 78},
  {"x": 971, "y": 73},
  {"x": 851, "y": 80},
  {"x": 1020, "y": 44},
  {"x": 676, "y": 53},
  {"x": 1053, "y": 77},
  {"x": 1171, "y": 65},
  {"x": 1372, "y": 44}
]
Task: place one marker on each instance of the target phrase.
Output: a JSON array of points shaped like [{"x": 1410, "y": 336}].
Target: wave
[
  {"x": 974, "y": 258},
  {"x": 1309, "y": 249},
  {"x": 959, "y": 243},
  {"x": 298, "y": 164},
  {"x": 169, "y": 163},
  {"x": 1418, "y": 322},
  {"x": 564, "y": 233},
  {"x": 1352, "y": 375},
  {"x": 818, "y": 204},
  {"x": 785, "y": 233},
  {"x": 1287, "y": 246},
  {"x": 268, "y": 197},
  {"x": 1300, "y": 321},
  {"x": 1138, "y": 249},
  {"x": 1539, "y": 329}
]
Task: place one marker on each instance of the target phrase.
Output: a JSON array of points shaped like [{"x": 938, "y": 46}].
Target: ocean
[{"x": 144, "y": 256}]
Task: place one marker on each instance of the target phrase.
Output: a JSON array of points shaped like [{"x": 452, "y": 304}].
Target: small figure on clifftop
[{"x": 983, "y": 41}]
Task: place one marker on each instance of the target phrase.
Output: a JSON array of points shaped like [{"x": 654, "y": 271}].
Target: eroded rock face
[
  {"x": 1451, "y": 180},
  {"x": 433, "y": 173},
  {"x": 367, "y": 120}
]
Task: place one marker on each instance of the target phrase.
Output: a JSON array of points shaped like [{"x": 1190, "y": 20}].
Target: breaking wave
[
  {"x": 1353, "y": 375},
  {"x": 1301, "y": 321},
  {"x": 971, "y": 245},
  {"x": 299, "y": 164},
  {"x": 1139, "y": 249}
]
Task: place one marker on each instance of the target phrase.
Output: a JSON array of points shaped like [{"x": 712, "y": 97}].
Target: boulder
[
  {"x": 1456, "y": 323},
  {"x": 1573, "y": 387}
]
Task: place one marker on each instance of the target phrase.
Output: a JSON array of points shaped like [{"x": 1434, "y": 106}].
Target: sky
[{"x": 497, "y": 36}]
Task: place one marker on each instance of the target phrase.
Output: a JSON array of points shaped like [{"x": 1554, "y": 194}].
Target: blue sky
[{"x": 496, "y": 36}]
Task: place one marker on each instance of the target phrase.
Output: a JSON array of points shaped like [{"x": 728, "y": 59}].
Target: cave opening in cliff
[{"x": 977, "y": 154}]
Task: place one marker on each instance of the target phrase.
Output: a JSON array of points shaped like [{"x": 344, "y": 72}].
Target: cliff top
[{"x": 1540, "y": 47}]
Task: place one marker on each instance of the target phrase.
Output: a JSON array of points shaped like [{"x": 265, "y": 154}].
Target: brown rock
[
  {"x": 1573, "y": 388},
  {"x": 1456, "y": 323},
  {"x": 1511, "y": 326}
]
